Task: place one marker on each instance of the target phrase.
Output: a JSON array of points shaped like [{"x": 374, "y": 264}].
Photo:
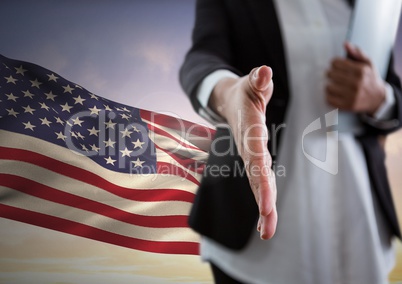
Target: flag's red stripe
[
  {"x": 162, "y": 132},
  {"x": 45, "y": 192},
  {"x": 177, "y": 124},
  {"x": 93, "y": 179},
  {"x": 82, "y": 230}
]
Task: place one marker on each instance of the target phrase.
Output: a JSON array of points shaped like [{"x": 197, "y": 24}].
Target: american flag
[{"x": 78, "y": 163}]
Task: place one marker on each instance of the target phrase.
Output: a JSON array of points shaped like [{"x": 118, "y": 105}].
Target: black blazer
[{"x": 239, "y": 35}]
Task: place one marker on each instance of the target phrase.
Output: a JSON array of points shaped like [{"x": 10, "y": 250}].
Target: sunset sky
[{"x": 129, "y": 51}]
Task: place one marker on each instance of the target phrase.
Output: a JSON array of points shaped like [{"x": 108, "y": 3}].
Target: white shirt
[{"x": 330, "y": 229}]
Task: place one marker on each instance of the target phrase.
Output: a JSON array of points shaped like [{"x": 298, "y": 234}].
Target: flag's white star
[
  {"x": 125, "y": 109},
  {"x": 69, "y": 123},
  {"x": 68, "y": 89},
  {"x": 45, "y": 121},
  {"x": 28, "y": 109},
  {"x": 93, "y": 131},
  {"x": 79, "y": 100},
  {"x": 35, "y": 83},
  {"x": 110, "y": 124},
  {"x": 138, "y": 144},
  {"x": 43, "y": 105},
  {"x": 84, "y": 148},
  {"x": 10, "y": 79},
  {"x": 73, "y": 134},
  {"x": 28, "y": 125},
  {"x": 12, "y": 112},
  {"x": 59, "y": 120},
  {"x": 27, "y": 93},
  {"x": 20, "y": 70},
  {"x": 136, "y": 129},
  {"x": 125, "y": 116},
  {"x": 52, "y": 77},
  {"x": 11, "y": 97},
  {"x": 61, "y": 136},
  {"x": 66, "y": 107},
  {"x": 77, "y": 121},
  {"x": 125, "y": 152},
  {"x": 126, "y": 133},
  {"x": 94, "y": 97},
  {"x": 80, "y": 136},
  {"x": 138, "y": 163},
  {"x": 109, "y": 160},
  {"x": 109, "y": 143},
  {"x": 78, "y": 86},
  {"x": 95, "y": 110},
  {"x": 94, "y": 148},
  {"x": 107, "y": 107},
  {"x": 50, "y": 96}
]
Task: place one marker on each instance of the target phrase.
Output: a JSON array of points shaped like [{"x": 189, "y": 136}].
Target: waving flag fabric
[{"x": 77, "y": 163}]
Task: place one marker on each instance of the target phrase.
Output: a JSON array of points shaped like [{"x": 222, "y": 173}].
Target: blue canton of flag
[{"x": 53, "y": 109}]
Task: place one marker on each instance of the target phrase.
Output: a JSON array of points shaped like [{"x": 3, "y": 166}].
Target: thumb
[
  {"x": 355, "y": 53},
  {"x": 260, "y": 81}
]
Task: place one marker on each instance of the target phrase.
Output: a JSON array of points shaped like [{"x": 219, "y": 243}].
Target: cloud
[
  {"x": 90, "y": 76},
  {"x": 155, "y": 55},
  {"x": 50, "y": 55}
]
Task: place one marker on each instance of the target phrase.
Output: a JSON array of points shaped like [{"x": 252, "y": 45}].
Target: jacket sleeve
[
  {"x": 395, "y": 122},
  {"x": 211, "y": 47}
]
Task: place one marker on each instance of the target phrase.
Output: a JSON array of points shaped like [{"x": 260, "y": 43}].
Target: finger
[
  {"x": 347, "y": 66},
  {"x": 340, "y": 78},
  {"x": 258, "y": 162},
  {"x": 268, "y": 225},
  {"x": 356, "y": 53},
  {"x": 267, "y": 192},
  {"x": 336, "y": 96},
  {"x": 339, "y": 102},
  {"x": 337, "y": 90},
  {"x": 260, "y": 82},
  {"x": 262, "y": 184},
  {"x": 260, "y": 78}
]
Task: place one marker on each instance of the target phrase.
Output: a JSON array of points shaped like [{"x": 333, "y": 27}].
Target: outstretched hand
[{"x": 242, "y": 103}]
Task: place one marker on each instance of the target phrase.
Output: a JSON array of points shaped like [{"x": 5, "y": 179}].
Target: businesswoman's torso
[{"x": 330, "y": 229}]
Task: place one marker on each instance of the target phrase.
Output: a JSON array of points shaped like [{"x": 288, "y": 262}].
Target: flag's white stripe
[
  {"x": 171, "y": 146},
  {"x": 142, "y": 181},
  {"x": 78, "y": 188},
  {"x": 27, "y": 202}
]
